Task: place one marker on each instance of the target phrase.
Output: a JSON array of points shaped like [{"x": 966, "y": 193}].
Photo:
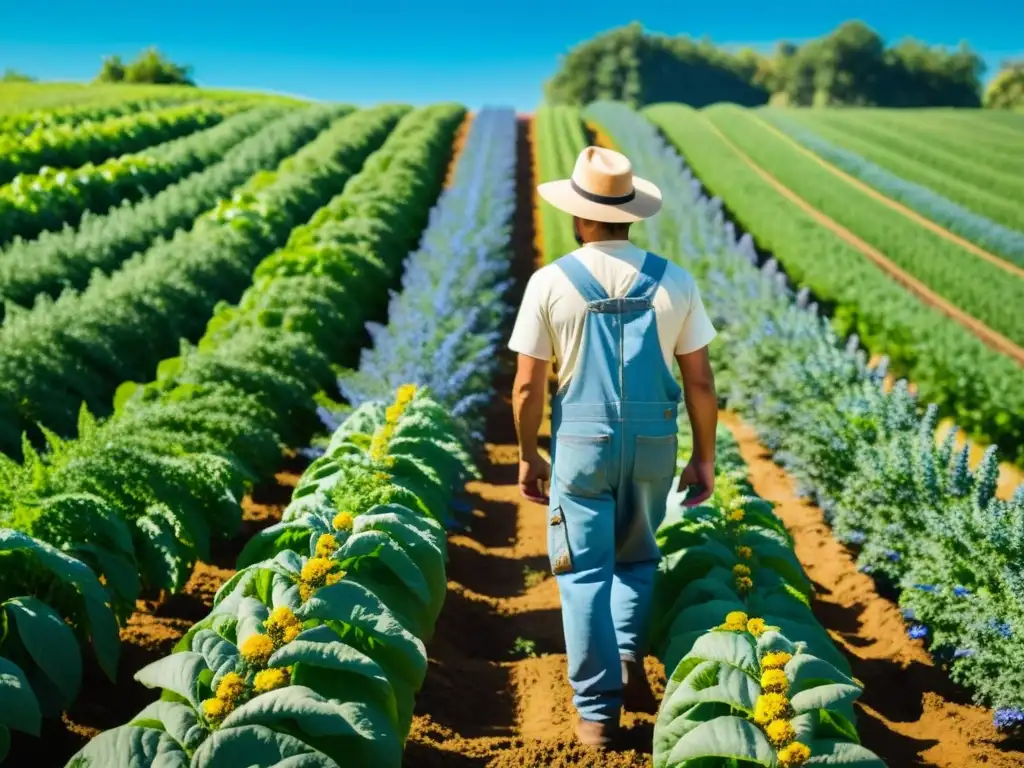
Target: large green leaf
[
  {"x": 827, "y": 752},
  {"x": 357, "y": 733},
  {"x": 178, "y": 673},
  {"x": 50, "y": 642},
  {"x": 728, "y": 737},
  {"x": 18, "y": 706},
  {"x": 256, "y": 746},
  {"x": 829, "y": 696},
  {"x": 131, "y": 747},
  {"x": 178, "y": 720},
  {"x": 731, "y": 648}
]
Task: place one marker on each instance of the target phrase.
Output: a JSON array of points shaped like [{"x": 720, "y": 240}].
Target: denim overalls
[{"x": 613, "y": 459}]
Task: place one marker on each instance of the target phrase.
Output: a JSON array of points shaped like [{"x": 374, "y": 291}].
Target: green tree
[
  {"x": 1006, "y": 91},
  {"x": 150, "y": 66}
]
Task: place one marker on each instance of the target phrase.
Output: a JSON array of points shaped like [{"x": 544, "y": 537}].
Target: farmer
[{"x": 613, "y": 317}]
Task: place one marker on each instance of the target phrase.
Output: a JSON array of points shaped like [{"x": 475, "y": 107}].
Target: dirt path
[
  {"x": 988, "y": 336},
  {"x": 911, "y": 714},
  {"x": 896, "y": 206},
  {"x": 496, "y": 693}
]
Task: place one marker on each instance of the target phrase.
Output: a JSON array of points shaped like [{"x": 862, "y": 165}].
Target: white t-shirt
[{"x": 550, "y": 320}]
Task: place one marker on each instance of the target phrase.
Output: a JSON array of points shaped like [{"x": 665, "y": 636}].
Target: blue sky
[{"x": 480, "y": 52}]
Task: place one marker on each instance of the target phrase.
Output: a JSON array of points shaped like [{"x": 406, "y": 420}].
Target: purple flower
[
  {"x": 1008, "y": 717},
  {"x": 926, "y": 587},
  {"x": 1001, "y": 628},
  {"x": 963, "y": 653},
  {"x": 856, "y": 537},
  {"x": 917, "y": 632},
  {"x": 892, "y": 556},
  {"x": 961, "y": 591},
  {"x": 908, "y": 613}
]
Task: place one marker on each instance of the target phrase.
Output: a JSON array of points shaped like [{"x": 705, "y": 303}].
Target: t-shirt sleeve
[
  {"x": 697, "y": 331},
  {"x": 531, "y": 335}
]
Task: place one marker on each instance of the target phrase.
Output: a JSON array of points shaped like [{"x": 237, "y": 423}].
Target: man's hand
[
  {"x": 700, "y": 474},
  {"x": 534, "y": 477}
]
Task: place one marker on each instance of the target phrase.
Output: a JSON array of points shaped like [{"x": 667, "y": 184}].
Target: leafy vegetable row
[
  {"x": 57, "y": 197},
  {"x": 31, "y": 120},
  {"x": 559, "y": 138},
  {"x": 218, "y": 160},
  {"x": 94, "y": 142},
  {"x": 980, "y": 230},
  {"x": 983, "y": 390},
  {"x": 906, "y": 160},
  {"x": 752, "y": 675},
  {"x": 142, "y": 494},
  {"x": 120, "y": 326},
  {"x": 991, "y": 294},
  {"x": 443, "y": 327},
  {"x": 312, "y": 656},
  {"x": 924, "y": 521}
]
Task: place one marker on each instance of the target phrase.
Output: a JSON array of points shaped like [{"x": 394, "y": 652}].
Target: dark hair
[{"x": 615, "y": 228}]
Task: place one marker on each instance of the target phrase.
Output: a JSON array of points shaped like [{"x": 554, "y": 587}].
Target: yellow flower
[
  {"x": 756, "y": 627},
  {"x": 216, "y": 709},
  {"x": 316, "y": 573},
  {"x": 775, "y": 681},
  {"x": 770, "y": 706},
  {"x": 257, "y": 650},
  {"x": 796, "y": 754},
  {"x": 381, "y": 476},
  {"x": 780, "y": 732},
  {"x": 744, "y": 553},
  {"x": 775, "y": 660},
  {"x": 231, "y": 688},
  {"x": 342, "y": 521},
  {"x": 735, "y": 621},
  {"x": 392, "y": 412},
  {"x": 326, "y": 545},
  {"x": 270, "y": 679},
  {"x": 736, "y": 515},
  {"x": 406, "y": 393},
  {"x": 744, "y": 584},
  {"x": 283, "y": 626},
  {"x": 740, "y": 570}
]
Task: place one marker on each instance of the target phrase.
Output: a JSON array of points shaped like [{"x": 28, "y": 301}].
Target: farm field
[{"x": 258, "y": 497}]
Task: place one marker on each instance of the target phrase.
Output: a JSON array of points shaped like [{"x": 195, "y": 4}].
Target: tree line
[
  {"x": 150, "y": 66},
  {"x": 851, "y": 66}
]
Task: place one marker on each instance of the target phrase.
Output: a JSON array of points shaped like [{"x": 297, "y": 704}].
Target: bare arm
[
  {"x": 528, "y": 393},
  {"x": 702, "y": 408}
]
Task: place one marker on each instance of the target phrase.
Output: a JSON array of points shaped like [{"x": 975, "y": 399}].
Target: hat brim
[{"x": 645, "y": 203}]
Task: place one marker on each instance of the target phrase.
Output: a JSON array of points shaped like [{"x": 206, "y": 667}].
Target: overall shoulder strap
[
  {"x": 580, "y": 277},
  {"x": 648, "y": 278}
]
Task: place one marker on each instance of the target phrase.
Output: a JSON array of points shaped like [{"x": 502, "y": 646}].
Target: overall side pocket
[{"x": 559, "y": 552}]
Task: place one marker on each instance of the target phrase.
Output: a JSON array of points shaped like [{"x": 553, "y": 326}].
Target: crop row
[
  {"x": 980, "y": 388},
  {"x": 223, "y": 158},
  {"x": 559, "y": 138},
  {"x": 119, "y": 327},
  {"x": 443, "y": 328},
  {"x": 153, "y": 484},
  {"x": 58, "y": 197},
  {"x": 901, "y": 151},
  {"x": 991, "y": 295},
  {"x": 313, "y": 655},
  {"x": 974, "y": 141},
  {"x": 368, "y": 574},
  {"x": 974, "y": 227},
  {"x": 920, "y": 518},
  {"x": 26, "y": 122},
  {"x": 95, "y": 141},
  {"x": 752, "y": 676}
]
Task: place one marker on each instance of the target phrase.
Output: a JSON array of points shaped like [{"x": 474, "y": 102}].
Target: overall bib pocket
[
  {"x": 581, "y": 464},
  {"x": 559, "y": 552},
  {"x": 654, "y": 458}
]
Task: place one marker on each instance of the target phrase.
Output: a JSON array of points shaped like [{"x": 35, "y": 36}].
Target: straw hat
[{"x": 603, "y": 188}]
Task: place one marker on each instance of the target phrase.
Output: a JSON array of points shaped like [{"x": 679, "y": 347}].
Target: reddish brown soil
[
  {"x": 910, "y": 714},
  {"x": 149, "y": 634},
  {"x": 457, "y": 145},
  {"x": 988, "y": 336}
]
